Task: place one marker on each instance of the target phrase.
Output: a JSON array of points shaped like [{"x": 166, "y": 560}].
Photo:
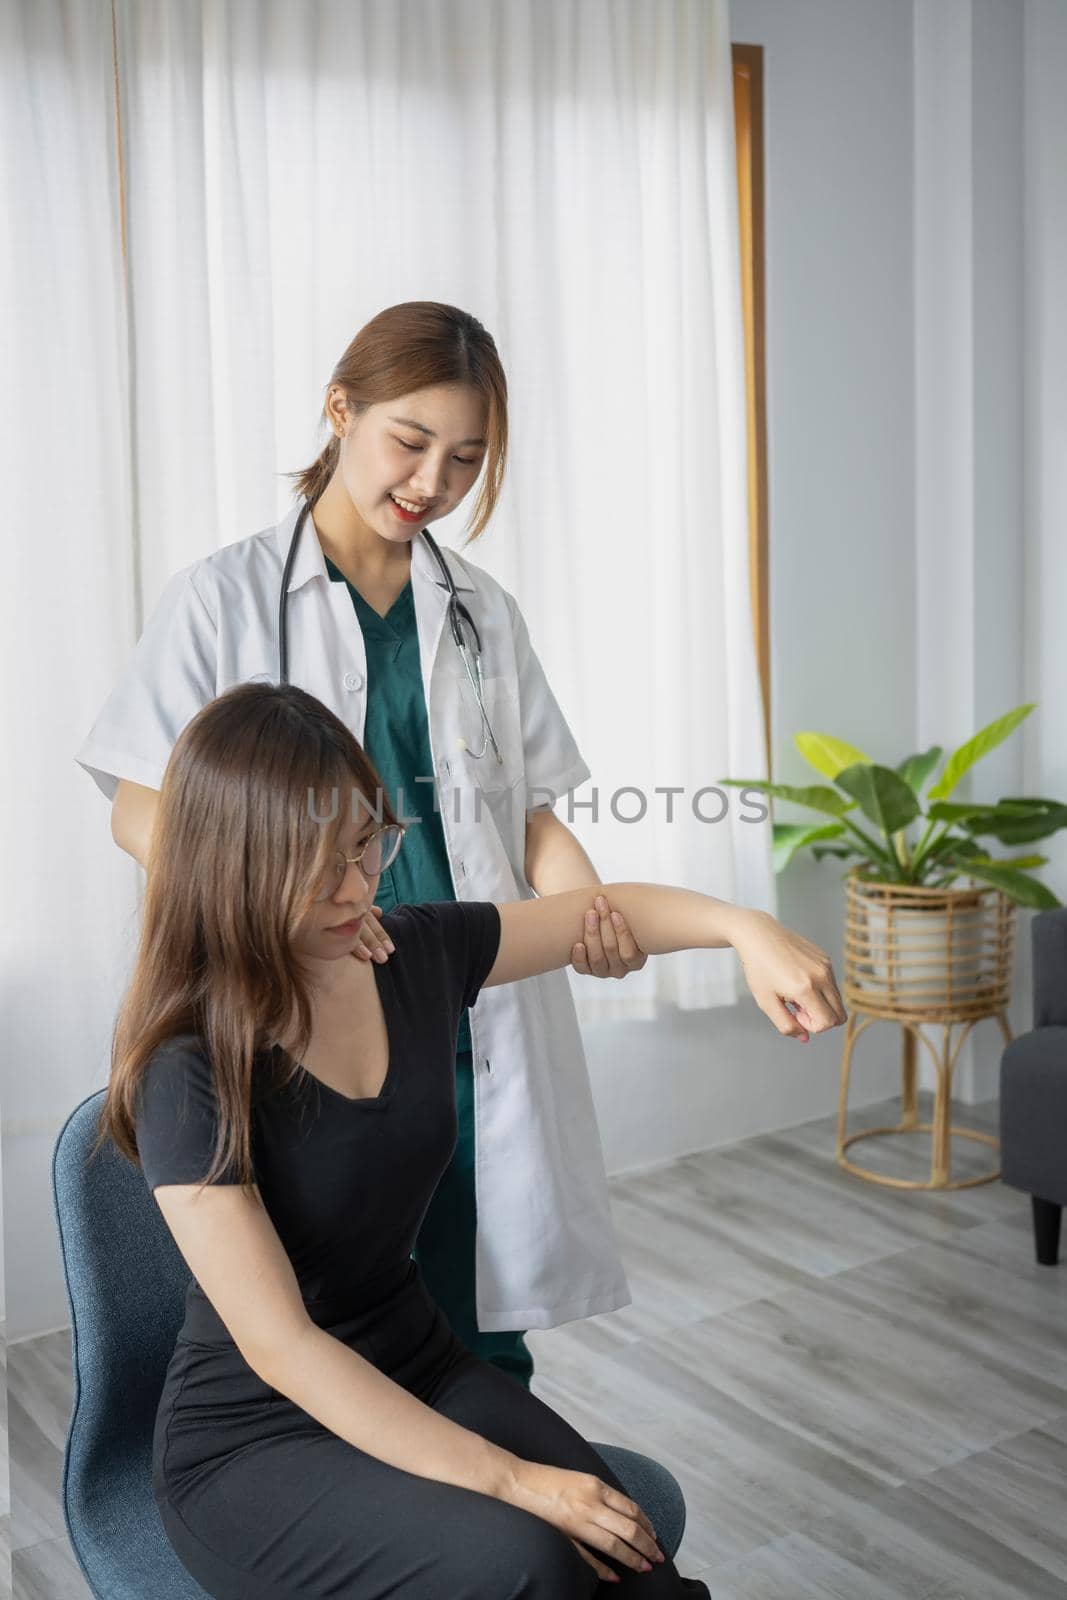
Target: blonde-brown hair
[
  {"x": 417, "y": 345},
  {"x": 257, "y": 792}
]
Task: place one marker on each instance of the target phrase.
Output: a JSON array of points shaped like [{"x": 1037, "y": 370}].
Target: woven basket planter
[
  {"x": 916, "y": 956},
  {"x": 931, "y": 954}
]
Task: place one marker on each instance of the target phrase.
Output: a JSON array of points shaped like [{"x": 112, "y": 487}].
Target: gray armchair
[{"x": 1033, "y": 1090}]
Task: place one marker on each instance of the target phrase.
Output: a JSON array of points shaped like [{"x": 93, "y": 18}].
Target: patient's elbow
[{"x": 277, "y": 1358}]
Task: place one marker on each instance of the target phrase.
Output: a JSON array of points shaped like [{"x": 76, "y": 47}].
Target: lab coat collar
[
  {"x": 424, "y": 568},
  {"x": 309, "y": 561}
]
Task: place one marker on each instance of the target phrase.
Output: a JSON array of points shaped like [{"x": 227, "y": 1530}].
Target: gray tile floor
[{"x": 863, "y": 1392}]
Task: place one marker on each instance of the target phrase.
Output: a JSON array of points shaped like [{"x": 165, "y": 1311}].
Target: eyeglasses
[{"x": 378, "y": 852}]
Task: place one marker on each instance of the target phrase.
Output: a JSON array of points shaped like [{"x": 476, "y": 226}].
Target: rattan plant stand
[{"x": 918, "y": 956}]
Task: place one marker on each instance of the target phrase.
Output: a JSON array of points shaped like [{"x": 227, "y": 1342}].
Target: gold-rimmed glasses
[{"x": 378, "y": 852}]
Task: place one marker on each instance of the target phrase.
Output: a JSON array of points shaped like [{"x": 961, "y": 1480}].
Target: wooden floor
[{"x": 862, "y": 1391}]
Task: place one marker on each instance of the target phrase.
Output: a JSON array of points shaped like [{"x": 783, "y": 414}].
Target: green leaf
[
  {"x": 827, "y": 754},
  {"x": 820, "y": 850},
  {"x": 789, "y": 837},
  {"x": 1024, "y": 890},
  {"x": 1011, "y": 821},
  {"x": 959, "y": 811},
  {"x": 883, "y": 795},
  {"x": 916, "y": 769},
  {"x": 985, "y": 740},
  {"x": 1007, "y": 861},
  {"x": 1023, "y": 821},
  {"x": 817, "y": 797},
  {"x": 952, "y": 844}
]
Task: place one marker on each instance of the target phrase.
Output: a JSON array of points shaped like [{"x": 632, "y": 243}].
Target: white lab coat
[{"x": 546, "y": 1249}]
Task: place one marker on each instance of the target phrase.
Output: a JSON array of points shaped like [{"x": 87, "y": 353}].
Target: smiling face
[{"x": 425, "y": 448}]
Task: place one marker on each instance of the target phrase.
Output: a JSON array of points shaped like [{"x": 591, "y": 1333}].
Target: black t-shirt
[{"x": 346, "y": 1182}]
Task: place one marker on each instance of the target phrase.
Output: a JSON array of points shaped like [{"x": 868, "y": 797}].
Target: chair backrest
[
  {"x": 1048, "y": 938},
  {"x": 126, "y": 1283}
]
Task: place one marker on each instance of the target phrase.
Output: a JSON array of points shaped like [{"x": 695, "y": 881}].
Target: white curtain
[
  {"x": 68, "y": 603},
  {"x": 564, "y": 169}
]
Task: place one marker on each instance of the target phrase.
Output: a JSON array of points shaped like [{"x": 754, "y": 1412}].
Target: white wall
[
  {"x": 3, "y": 1281},
  {"x": 970, "y": 506},
  {"x": 1045, "y": 407}
]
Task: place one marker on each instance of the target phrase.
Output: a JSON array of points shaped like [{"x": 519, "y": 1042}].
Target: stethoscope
[{"x": 457, "y": 614}]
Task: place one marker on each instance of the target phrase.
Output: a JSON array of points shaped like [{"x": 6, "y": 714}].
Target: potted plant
[{"x": 895, "y": 870}]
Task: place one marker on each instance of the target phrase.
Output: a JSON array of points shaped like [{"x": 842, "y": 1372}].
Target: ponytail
[{"x": 312, "y": 480}]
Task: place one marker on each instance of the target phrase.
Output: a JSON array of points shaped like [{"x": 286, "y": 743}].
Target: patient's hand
[
  {"x": 609, "y": 949},
  {"x": 791, "y": 979}
]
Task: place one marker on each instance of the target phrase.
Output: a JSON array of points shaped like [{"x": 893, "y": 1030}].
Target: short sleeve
[
  {"x": 472, "y": 938},
  {"x": 551, "y": 758},
  {"x": 168, "y": 678},
  {"x": 177, "y": 1116},
  {"x": 449, "y": 947}
]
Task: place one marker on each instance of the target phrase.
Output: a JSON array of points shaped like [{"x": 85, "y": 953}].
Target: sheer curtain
[
  {"x": 69, "y": 599},
  {"x": 565, "y": 171}
]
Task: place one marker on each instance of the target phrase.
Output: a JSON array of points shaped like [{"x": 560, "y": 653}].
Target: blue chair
[{"x": 126, "y": 1283}]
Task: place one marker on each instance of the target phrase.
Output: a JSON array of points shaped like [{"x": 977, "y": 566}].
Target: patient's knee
[{"x": 536, "y": 1562}]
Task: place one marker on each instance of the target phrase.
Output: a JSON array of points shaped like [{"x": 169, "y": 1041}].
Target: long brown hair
[
  {"x": 416, "y": 345},
  {"x": 258, "y": 789}
]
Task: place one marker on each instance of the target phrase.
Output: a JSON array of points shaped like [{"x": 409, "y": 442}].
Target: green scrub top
[{"x": 396, "y": 736}]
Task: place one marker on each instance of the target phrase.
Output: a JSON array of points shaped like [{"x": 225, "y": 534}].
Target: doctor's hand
[
  {"x": 791, "y": 979},
  {"x": 374, "y": 944},
  {"x": 609, "y": 949}
]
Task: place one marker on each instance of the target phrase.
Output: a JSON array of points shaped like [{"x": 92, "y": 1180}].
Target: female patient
[{"x": 321, "y": 1431}]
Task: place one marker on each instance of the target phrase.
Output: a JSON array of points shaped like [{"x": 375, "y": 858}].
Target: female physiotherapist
[{"x": 519, "y": 1233}]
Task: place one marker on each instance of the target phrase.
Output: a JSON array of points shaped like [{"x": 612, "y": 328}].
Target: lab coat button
[{"x": 353, "y": 680}]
